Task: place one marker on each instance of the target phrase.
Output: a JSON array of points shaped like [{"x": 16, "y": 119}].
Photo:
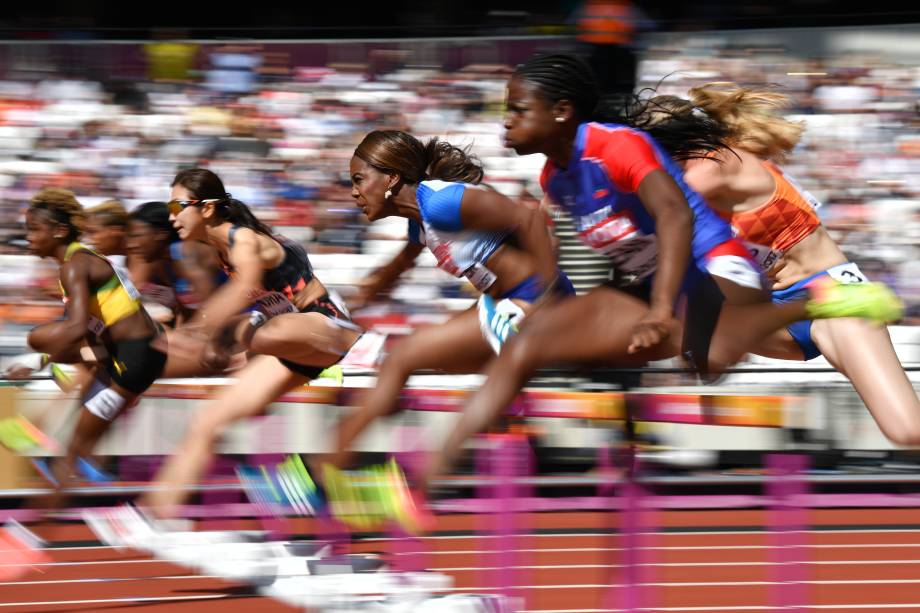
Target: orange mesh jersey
[{"x": 775, "y": 226}]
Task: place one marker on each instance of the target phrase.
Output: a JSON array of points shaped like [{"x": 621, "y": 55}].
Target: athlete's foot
[
  {"x": 367, "y": 499},
  {"x": 21, "y": 551},
  {"x": 122, "y": 527},
  {"x": 872, "y": 301},
  {"x": 18, "y": 434},
  {"x": 287, "y": 486}
]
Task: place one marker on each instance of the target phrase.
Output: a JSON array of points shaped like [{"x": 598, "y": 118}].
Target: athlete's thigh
[
  {"x": 255, "y": 386},
  {"x": 455, "y": 346},
  {"x": 594, "y": 328},
  {"x": 780, "y": 346},
  {"x": 864, "y": 353},
  {"x": 299, "y": 335}
]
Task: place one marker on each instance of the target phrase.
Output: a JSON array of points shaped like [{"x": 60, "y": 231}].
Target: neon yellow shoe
[
  {"x": 18, "y": 434},
  {"x": 348, "y": 497},
  {"x": 335, "y": 373},
  {"x": 403, "y": 504},
  {"x": 872, "y": 301}
]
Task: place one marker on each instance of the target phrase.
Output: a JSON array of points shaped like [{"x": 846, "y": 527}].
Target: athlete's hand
[{"x": 651, "y": 330}]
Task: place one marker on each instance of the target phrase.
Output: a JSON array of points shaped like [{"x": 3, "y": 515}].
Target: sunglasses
[{"x": 177, "y": 206}]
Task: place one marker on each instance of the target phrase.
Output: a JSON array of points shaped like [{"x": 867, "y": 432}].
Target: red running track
[{"x": 701, "y": 561}]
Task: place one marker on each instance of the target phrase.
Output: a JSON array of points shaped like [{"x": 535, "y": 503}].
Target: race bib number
[
  {"x": 481, "y": 277},
  {"x": 95, "y": 325},
  {"x": 847, "y": 273},
  {"x": 633, "y": 253},
  {"x": 272, "y": 304},
  {"x": 763, "y": 255}
]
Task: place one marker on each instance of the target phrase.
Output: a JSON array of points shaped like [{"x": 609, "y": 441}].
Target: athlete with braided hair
[{"x": 777, "y": 221}]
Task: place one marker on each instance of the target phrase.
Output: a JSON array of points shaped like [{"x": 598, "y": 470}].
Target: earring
[
  {"x": 560, "y": 119},
  {"x": 388, "y": 194}
]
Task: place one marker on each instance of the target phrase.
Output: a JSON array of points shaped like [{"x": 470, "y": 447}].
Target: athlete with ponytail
[
  {"x": 272, "y": 305},
  {"x": 777, "y": 221},
  {"x": 501, "y": 247}
]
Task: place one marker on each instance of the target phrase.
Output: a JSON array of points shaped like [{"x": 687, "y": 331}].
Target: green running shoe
[
  {"x": 334, "y": 373},
  {"x": 18, "y": 434},
  {"x": 872, "y": 301}
]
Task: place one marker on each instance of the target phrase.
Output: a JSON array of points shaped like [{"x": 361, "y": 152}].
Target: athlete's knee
[
  {"x": 904, "y": 432},
  {"x": 523, "y": 351}
]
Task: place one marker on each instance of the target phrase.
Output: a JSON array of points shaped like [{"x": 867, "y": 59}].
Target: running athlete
[
  {"x": 177, "y": 275},
  {"x": 288, "y": 319},
  {"x": 501, "y": 247},
  {"x": 674, "y": 259},
  {"x": 777, "y": 221},
  {"x": 104, "y": 325}
]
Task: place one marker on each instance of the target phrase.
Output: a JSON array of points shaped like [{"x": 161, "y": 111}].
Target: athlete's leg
[
  {"x": 258, "y": 384},
  {"x": 863, "y": 352},
  {"x": 305, "y": 338},
  {"x": 456, "y": 346},
  {"x": 592, "y": 329}
]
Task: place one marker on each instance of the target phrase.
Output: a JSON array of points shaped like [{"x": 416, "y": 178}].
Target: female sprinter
[
  {"x": 777, "y": 221},
  {"x": 104, "y": 325}
]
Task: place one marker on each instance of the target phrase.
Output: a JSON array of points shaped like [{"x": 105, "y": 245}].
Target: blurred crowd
[{"x": 280, "y": 135}]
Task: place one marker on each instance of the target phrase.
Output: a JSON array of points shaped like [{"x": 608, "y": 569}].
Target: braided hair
[{"x": 568, "y": 77}]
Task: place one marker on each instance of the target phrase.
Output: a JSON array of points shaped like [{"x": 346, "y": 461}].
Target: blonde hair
[
  {"x": 109, "y": 213},
  {"x": 750, "y": 116},
  {"x": 62, "y": 207}
]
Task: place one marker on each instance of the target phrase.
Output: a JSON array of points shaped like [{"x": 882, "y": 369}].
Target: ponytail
[
  {"x": 239, "y": 214},
  {"x": 751, "y": 118},
  {"x": 398, "y": 152},
  {"x": 449, "y": 163}
]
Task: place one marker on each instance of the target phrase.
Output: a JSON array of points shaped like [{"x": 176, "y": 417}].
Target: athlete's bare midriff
[
  {"x": 737, "y": 182},
  {"x": 512, "y": 266}
]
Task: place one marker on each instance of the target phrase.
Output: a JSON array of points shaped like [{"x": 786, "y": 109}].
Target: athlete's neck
[
  {"x": 560, "y": 151},
  {"x": 406, "y": 202},
  {"x": 219, "y": 237}
]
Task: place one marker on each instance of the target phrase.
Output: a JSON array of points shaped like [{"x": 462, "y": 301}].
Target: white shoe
[{"x": 122, "y": 527}]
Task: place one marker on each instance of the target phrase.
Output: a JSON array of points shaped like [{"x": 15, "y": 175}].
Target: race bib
[
  {"x": 763, "y": 255},
  {"x": 481, "y": 277},
  {"x": 272, "y": 304},
  {"x": 633, "y": 253},
  {"x": 95, "y": 325},
  {"x": 847, "y": 273}
]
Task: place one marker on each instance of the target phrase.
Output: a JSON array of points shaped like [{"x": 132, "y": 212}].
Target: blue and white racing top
[{"x": 459, "y": 251}]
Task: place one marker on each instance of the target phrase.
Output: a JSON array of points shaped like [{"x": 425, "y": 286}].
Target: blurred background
[{"x": 110, "y": 101}]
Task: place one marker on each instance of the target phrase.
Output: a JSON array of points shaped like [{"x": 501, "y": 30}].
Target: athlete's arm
[
  {"x": 488, "y": 210},
  {"x": 383, "y": 278},
  {"x": 634, "y": 166},
  {"x": 665, "y": 201},
  {"x": 236, "y": 294},
  {"x": 62, "y": 340},
  {"x": 199, "y": 266}
]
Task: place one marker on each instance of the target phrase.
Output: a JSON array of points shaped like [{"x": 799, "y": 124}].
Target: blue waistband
[
  {"x": 530, "y": 288},
  {"x": 797, "y": 286}
]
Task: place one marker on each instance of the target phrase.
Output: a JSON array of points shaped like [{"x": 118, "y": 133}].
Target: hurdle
[{"x": 506, "y": 481}]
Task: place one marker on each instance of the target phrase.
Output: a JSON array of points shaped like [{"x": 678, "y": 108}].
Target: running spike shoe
[
  {"x": 287, "y": 486},
  {"x": 872, "y": 301}
]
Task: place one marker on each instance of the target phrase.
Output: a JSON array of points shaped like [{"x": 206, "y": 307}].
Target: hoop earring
[{"x": 388, "y": 194}]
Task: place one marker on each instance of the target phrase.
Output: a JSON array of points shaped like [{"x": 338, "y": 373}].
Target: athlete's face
[
  {"x": 107, "y": 240},
  {"x": 144, "y": 241},
  {"x": 189, "y": 222},
  {"x": 44, "y": 236},
  {"x": 530, "y": 122},
  {"x": 368, "y": 188}
]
